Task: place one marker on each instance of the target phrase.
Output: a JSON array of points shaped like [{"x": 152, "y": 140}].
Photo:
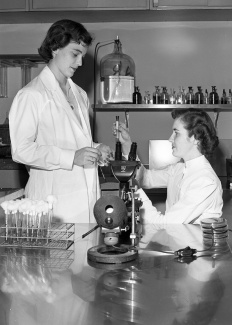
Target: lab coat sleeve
[
  {"x": 24, "y": 123},
  {"x": 198, "y": 199},
  {"x": 152, "y": 178}
]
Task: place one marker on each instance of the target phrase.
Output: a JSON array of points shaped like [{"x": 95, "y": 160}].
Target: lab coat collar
[
  {"x": 196, "y": 162},
  {"x": 53, "y": 86},
  {"x": 49, "y": 79}
]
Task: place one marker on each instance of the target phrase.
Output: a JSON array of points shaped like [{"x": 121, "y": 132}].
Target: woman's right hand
[
  {"x": 124, "y": 137},
  {"x": 86, "y": 156}
]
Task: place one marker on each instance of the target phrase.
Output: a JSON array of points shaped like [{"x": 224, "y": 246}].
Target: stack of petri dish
[{"x": 215, "y": 234}]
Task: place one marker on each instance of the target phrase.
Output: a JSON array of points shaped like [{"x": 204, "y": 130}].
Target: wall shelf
[
  {"x": 99, "y": 16},
  {"x": 158, "y": 108}
]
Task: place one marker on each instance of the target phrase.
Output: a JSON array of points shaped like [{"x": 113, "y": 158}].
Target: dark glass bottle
[
  {"x": 137, "y": 97},
  {"x": 164, "y": 97},
  {"x": 156, "y": 95},
  {"x": 223, "y": 98},
  {"x": 190, "y": 96},
  {"x": 133, "y": 152},
  {"x": 199, "y": 97},
  {"x": 213, "y": 96},
  {"x": 229, "y": 98},
  {"x": 118, "y": 151}
]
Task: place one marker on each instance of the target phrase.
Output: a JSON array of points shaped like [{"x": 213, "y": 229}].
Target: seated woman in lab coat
[
  {"x": 50, "y": 130},
  {"x": 194, "y": 191}
]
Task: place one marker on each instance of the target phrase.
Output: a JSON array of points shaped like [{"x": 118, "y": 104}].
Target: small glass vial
[
  {"x": 213, "y": 96},
  {"x": 156, "y": 95}
]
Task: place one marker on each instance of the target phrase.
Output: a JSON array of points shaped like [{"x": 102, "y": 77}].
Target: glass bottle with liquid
[
  {"x": 156, "y": 95},
  {"x": 224, "y": 98},
  {"x": 180, "y": 97},
  {"x": 164, "y": 96},
  {"x": 147, "y": 98},
  {"x": 213, "y": 96},
  {"x": 190, "y": 96},
  {"x": 137, "y": 97},
  {"x": 206, "y": 97},
  {"x": 199, "y": 97},
  {"x": 172, "y": 96},
  {"x": 229, "y": 97}
]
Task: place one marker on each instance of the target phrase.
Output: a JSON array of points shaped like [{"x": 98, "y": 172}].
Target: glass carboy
[{"x": 117, "y": 73}]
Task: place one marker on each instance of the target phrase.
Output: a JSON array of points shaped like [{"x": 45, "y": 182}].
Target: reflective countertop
[{"x": 40, "y": 288}]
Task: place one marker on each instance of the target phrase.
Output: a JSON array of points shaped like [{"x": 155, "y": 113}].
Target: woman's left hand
[{"x": 107, "y": 155}]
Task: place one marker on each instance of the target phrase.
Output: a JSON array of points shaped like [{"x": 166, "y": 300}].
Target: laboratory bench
[{"x": 41, "y": 286}]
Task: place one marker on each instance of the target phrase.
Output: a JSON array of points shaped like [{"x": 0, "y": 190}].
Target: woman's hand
[
  {"x": 124, "y": 137},
  {"x": 87, "y": 156},
  {"x": 106, "y": 155}
]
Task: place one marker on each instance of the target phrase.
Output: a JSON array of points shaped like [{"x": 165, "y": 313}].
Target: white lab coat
[{"x": 45, "y": 133}]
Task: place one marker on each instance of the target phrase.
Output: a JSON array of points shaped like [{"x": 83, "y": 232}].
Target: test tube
[{"x": 116, "y": 127}]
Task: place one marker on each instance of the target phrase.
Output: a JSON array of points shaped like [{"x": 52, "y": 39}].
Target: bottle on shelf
[
  {"x": 229, "y": 97},
  {"x": 164, "y": 96},
  {"x": 156, "y": 95},
  {"x": 224, "y": 98},
  {"x": 147, "y": 98},
  {"x": 172, "y": 96},
  {"x": 213, "y": 96},
  {"x": 133, "y": 152},
  {"x": 199, "y": 97},
  {"x": 137, "y": 97},
  {"x": 180, "y": 97},
  {"x": 206, "y": 97},
  {"x": 190, "y": 96}
]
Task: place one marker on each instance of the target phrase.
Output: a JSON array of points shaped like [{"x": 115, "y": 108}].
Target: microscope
[{"x": 118, "y": 216}]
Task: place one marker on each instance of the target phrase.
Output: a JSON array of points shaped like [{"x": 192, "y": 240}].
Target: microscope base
[{"x": 111, "y": 254}]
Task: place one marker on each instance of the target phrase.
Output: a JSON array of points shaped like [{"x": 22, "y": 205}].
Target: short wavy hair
[
  {"x": 60, "y": 34},
  {"x": 198, "y": 123}
]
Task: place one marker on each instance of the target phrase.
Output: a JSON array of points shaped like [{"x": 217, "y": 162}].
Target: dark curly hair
[
  {"x": 60, "y": 34},
  {"x": 198, "y": 123}
]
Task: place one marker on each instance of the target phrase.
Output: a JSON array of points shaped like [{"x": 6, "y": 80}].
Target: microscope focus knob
[{"x": 110, "y": 212}]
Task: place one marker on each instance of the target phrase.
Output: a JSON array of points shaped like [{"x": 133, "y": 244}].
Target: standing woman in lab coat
[{"x": 50, "y": 129}]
